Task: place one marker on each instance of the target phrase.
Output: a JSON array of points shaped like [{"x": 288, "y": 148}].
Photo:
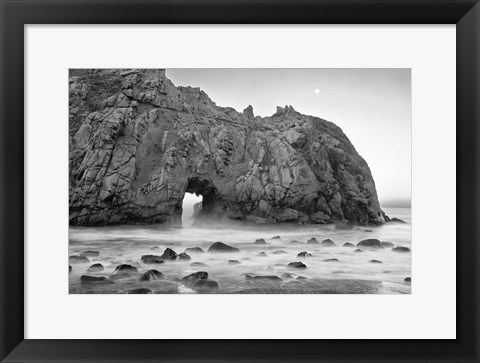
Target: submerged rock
[
  {"x": 189, "y": 280},
  {"x": 194, "y": 250},
  {"x": 348, "y": 244},
  {"x": 138, "y": 143},
  {"x": 90, "y": 253},
  {"x": 279, "y": 252},
  {"x": 262, "y": 254},
  {"x": 327, "y": 243},
  {"x": 125, "y": 269},
  {"x": 358, "y": 250},
  {"x": 286, "y": 275},
  {"x": 234, "y": 262},
  {"x": 141, "y": 290},
  {"x": 331, "y": 260},
  {"x": 152, "y": 275},
  {"x": 401, "y": 249},
  {"x": 260, "y": 241},
  {"x": 371, "y": 242},
  {"x": 301, "y": 278},
  {"x": 304, "y": 254},
  {"x": 94, "y": 280},
  {"x": 169, "y": 254},
  {"x": 396, "y": 220},
  {"x": 222, "y": 247},
  {"x": 276, "y": 237},
  {"x": 96, "y": 267},
  {"x": 312, "y": 241},
  {"x": 295, "y": 242},
  {"x": 151, "y": 259},
  {"x": 375, "y": 261},
  {"x": 205, "y": 285},
  {"x": 407, "y": 279},
  {"x": 155, "y": 248},
  {"x": 263, "y": 278},
  {"x": 78, "y": 259},
  {"x": 296, "y": 265}
]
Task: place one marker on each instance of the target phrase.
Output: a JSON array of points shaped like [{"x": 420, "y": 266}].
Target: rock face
[{"x": 138, "y": 143}]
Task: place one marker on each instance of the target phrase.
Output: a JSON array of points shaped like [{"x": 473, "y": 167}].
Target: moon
[{"x": 317, "y": 91}]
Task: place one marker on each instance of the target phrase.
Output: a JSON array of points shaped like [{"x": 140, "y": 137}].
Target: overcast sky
[{"x": 371, "y": 106}]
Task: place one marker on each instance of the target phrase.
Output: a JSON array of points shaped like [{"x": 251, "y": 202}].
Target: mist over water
[{"x": 353, "y": 273}]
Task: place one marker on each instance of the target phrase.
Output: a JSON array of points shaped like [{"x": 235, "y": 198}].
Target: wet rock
[
  {"x": 279, "y": 252},
  {"x": 304, "y": 254},
  {"x": 222, "y": 247},
  {"x": 125, "y": 269},
  {"x": 276, "y": 237},
  {"x": 94, "y": 280},
  {"x": 407, "y": 279},
  {"x": 152, "y": 275},
  {"x": 296, "y": 265},
  {"x": 198, "y": 264},
  {"x": 396, "y": 220},
  {"x": 348, "y": 244},
  {"x": 358, "y": 250},
  {"x": 205, "y": 285},
  {"x": 151, "y": 259},
  {"x": 327, "y": 243},
  {"x": 331, "y": 260},
  {"x": 78, "y": 259},
  {"x": 295, "y": 242},
  {"x": 183, "y": 257},
  {"x": 401, "y": 249},
  {"x": 189, "y": 280},
  {"x": 141, "y": 290},
  {"x": 260, "y": 241},
  {"x": 371, "y": 242},
  {"x": 90, "y": 254},
  {"x": 169, "y": 254},
  {"x": 312, "y": 241},
  {"x": 234, "y": 262},
  {"x": 301, "y": 278},
  {"x": 263, "y": 278},
  {"x": 286, "y": 275},
  {"x": 375, "y": 261},
  {"x": 388, "y": 244},
  {"x": 96, "y": 267},
  {"x": 69, "y": 268},
  {"x": 262, "y": 254},
  {"x": 194, "y": 250}
]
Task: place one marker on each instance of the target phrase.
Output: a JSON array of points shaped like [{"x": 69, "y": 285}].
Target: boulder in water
[
  {"x": 286, "y": 275},
  {"x": 183, "y": 257},
  {"x": 388, "y": 244},
  {"x": 301, "y": 278},
  {"x": 327, "y": 243},
  {"x": 189, "y": 280},
  {"x": 276, "y": 237},
  {"x": 69, "y": 268},
  {"x": 152, "y": 275},
  {"x": 194, "y": 250},
  {"x": 401, "y": 249},
  {"x": 222, "y": 247},
  {"x": 348, "y": 244},
  {"x": 331, "y": 260},
  {"x": 151, "y": 259},
  {"x": 371, "y": 243},
  {"x": 125, "y": 269},
  {"x": 233, "y": 262},
  {"x": 312, "y": 241},
  {"x": 205, "y": 285},
  {"x": 358, "y": 250},
  {"x": 396, "y": 220},
  {"x": 304, "y": 254},
  {"x": 198, "y": 264},
  {"x": 297, "y": 264},
  {"x": 169, "y": 254},
  {"x": 407, "y": 279},
  {"x": 262, "y": 254},
  {"x": 295, "y": 242},
  {"x": 96, "y": 267},
  {"x": 263, "y": 278},
  {"x": 260, "y": 241},
  {"x": 279, "y": 252},
  {"x": 375, "y": 261}
]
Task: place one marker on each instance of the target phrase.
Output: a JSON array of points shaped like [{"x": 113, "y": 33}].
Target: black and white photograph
[{"x": 240, "y": 181}]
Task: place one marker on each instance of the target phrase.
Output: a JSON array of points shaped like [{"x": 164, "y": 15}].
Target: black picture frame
[{"x": 16, "y": 14}]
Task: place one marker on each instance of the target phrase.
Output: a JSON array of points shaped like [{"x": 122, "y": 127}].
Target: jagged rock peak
[{"x": 138, "y": 143}]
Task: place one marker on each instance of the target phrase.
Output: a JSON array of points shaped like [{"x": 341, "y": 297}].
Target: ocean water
[{"x": 352, "y": 273}]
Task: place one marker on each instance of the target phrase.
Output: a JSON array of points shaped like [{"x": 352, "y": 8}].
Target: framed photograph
[{"x": 240, "y": 181}]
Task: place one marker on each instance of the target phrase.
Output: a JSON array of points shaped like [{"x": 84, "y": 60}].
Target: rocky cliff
[{"x": 138, "y": 143}]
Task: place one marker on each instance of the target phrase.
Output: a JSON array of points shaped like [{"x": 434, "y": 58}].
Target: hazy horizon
[{"x": 371, "y": 106}]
